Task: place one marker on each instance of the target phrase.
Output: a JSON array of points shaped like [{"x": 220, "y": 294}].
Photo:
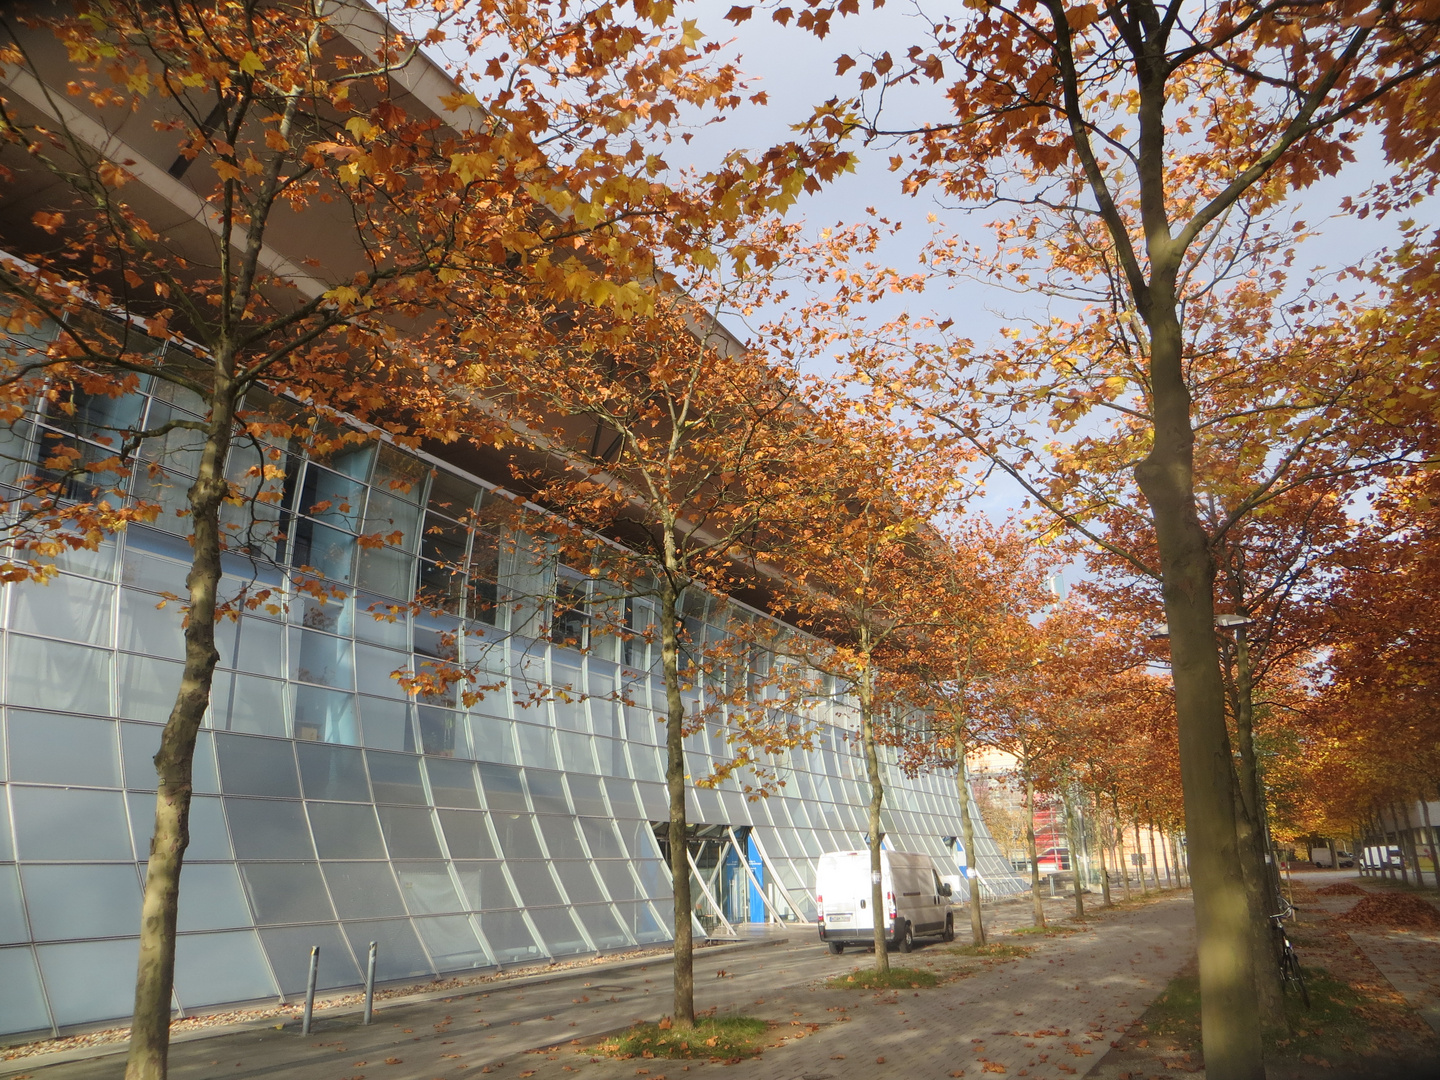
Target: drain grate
[{"x": 609, "y": 989}]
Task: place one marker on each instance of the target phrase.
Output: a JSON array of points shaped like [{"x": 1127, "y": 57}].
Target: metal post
[
  {"x": 310, "y": 990},
  {"x": 370, "y": 985}
]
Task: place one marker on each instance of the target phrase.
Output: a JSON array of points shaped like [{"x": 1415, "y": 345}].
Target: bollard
[
  {"x": 370, "y": 985},
  {"x": 310, "y": 990}
]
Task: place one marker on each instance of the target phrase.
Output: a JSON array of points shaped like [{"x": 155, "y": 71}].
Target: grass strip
[
  {"x": 897, "y": 978},
  {"x": 725, "y": 1038},
  {"x": 997, "y": 950}
]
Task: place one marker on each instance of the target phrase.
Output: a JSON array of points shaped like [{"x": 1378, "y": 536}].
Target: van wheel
[
  {"x": 907, "y": 939},
  {"x": 949, "y": 934},
  {"x": 836, "y": 947}
]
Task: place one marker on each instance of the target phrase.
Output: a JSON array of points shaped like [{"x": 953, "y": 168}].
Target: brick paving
[{"x": 1049, "y": 1015}]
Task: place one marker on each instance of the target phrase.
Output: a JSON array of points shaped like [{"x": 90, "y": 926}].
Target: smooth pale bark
[
  {"x": 1104, "y": 869},
  {"x": 1165, "y": 854},
  {"x": 967, "y": 831},
  {"x": 1140, "y": 850},
  {"x": 1154, "y": 859},
  {"x": 1035, "y": 899},
  {"x": 865, "y": 691},
  {"x": 684, "y": 1001},
  {"x": 1120, "y": 840},
  {"x": 1400, "y": 843},
  {"x": 1071, "y": 838},
  {"x": 155, "y": 972}
]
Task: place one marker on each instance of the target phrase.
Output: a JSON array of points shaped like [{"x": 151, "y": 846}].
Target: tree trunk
[
  {"x": 675, "y": 788},
  {"x": 1400, "y": 843},
  {"x": 967, "y": 830},
  {"x": 1120, "y": 841},
  {"x": 1229, "y": 1012},
  {"x": 1154, "y": 859},
  {"x": 1165, "y": 854},
  {"x": 148, "y": 1057},
  {"x": 1104, "y": 870},
  {"x": 1072, "y": 839},
  {"x": 1140, "y": 850},
  {"x": 866, "y": 693},
  {"x": 1035, "y": 899}
]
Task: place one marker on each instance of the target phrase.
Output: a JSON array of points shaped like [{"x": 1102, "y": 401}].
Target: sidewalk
[{"x": 1050, "y": 1014}]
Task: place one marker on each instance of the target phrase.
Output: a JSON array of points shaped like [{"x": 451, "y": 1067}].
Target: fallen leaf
[
  {"x": 880, "y": 1061},
  {"x": 392, "y": 1061}
]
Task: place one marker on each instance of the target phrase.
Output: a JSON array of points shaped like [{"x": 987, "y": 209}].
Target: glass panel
[
  {"x": 577, "y": 752},
  {"x": 146, "y": 688},
  {"x": 537, "y": 745},
  {"x": 438, "y": 728},
  {"x": 560, "y": 837},
  {"x": 22, "y": 1004},
  {"x": 90, "y": 980},
  {"x": 12, "y": 912},
  {"x": 321, "y": 659},
  {"x": 345, "y": 831},
  {"x": 250, "y": 644},
  {"x": 516, "y": 833},
  {"x": 559, "y": 930},
  {"x": 374, "y": 667},
  {"x": 493, "y": 738},
  {"x": 286, "y": 892},
  {"x": 211, "y": 968},
  {"x": 502, "y": 786},
  {"x": 601, "y": 837},
  {"x": 50, "y": 675},
  {"x": 578, "y": 881},
  {"x": 383, "y": 622},
  {"x": 639, "y": 838},
  {"x": 546, "y": 792},
  {"x": 249, "y": 704},
  {"x": 62, "y": 823},
  {"x": 332, "y": 772},
  {"x": 387, "y": 571},
  {"x": 655, "y": 801},
  {"x": 211, "y": 899},
  {"x": 466, "y": 835},
  {"x": 452, "y": 943},
  {"x": 654, "y": 878},
  {"x": 534, "y": 882},
  {"x": 7, "y": 850},
  {"x": 289, "y": 948},
  {"x": 363, "y": 890},
  {"x": 485, "y": 885},
  {"x": 619, "y": 882},
  {"x": 268, "y": 829},
  {"x": 209, "y": 839},
  {"x": 452, "y": 783},
  {"x": 325, "y": 716},
  {"x": 399, "y": 956},
  {"x": 256, "y": 766},
  {"x": 427, "y": 888},
  {"x": 387, "y": 514},
  {"x": 409, "y": 833},
  {"x": 603, "y": 927},
  {"x": 509, "y": 937},
  {"x": 585, "y": 793},
  {"x": 623, "y": 799},
  {"x": 395, "y": 778},
  {"x": 71, "y": 608},
  {"x": 387, "y": 724},
  {"x": 328, "y": 552},
  {"x": 57, "y": 749}
]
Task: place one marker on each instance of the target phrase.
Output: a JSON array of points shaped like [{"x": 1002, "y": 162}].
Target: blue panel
[{"x": 757, "y": 868}]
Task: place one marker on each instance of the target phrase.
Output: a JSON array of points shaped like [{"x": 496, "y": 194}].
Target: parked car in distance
[{"x": 916, "y": 900}]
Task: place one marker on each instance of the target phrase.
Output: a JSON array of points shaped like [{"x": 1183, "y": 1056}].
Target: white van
[{"x": 916, "y": 900}]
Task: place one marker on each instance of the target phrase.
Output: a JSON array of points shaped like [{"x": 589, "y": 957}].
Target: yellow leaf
[{"x": 251, "y": 64}]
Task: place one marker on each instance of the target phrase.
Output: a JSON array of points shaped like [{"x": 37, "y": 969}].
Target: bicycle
[{"x": 1289, "y": 962}]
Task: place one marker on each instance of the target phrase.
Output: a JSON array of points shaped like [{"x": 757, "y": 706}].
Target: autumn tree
[
  {"x": 1143, "y": 132},
  {"x": 235, "y": 199}
]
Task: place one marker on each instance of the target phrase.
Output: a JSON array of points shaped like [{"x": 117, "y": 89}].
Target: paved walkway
[{"x": 1049, "y": 1015}]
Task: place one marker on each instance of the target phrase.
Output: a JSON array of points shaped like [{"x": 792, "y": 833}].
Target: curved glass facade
[{"x": 334, "y": 809}]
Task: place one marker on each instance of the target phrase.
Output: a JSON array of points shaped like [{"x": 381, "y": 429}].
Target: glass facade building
[{"x": 334, "y": 809}]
